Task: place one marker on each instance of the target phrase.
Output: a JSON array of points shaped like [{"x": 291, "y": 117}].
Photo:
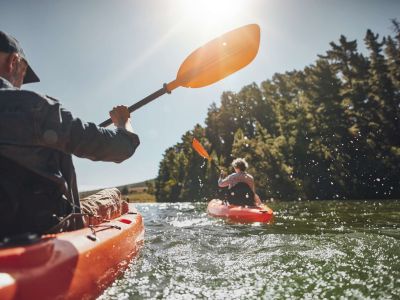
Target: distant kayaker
[
  {"x": 37, "y": 139},
  {"x": 240, "y": 184}
]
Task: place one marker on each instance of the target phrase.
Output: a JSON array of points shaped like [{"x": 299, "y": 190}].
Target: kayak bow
[
  {"x": 71, "y": 265},
  {"x": 242, "y": 214}
]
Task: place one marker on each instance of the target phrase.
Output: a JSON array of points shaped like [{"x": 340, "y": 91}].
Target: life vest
[
  {"x": 28, "y": 201},
  {"x": 241, "y": 194}
]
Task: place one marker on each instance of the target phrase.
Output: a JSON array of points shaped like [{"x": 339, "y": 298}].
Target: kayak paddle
[
  {"x": 210, "y": 63},
  {"x": 203, "y": 152}
]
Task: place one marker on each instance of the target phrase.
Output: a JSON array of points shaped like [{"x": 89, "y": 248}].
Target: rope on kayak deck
[
  {"x": 93, "y": 236},
  {"x": 72, "y": 219}
]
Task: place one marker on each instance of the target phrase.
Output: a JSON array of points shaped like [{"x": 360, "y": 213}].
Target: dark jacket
[{"x": 40, "y": 136}]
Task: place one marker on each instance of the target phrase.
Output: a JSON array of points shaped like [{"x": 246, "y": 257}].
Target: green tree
[
  {"x": 329, "y": 131},
  {"x": 150, "y": 187}
]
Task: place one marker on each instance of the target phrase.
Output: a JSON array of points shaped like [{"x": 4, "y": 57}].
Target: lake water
[{"x": 313, "y": 250}]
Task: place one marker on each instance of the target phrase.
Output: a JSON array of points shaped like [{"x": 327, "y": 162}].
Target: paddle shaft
[
  {"x": 140, "y": 103},
  {"x": 211, "y": 62},
  {"x": 215, "y": 164}
]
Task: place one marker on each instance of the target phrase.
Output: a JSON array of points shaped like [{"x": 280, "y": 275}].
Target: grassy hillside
[{"x": 134, "y": 192}]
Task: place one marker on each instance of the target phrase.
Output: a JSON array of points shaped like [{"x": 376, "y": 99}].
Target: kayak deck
[
  {"x": 242, "y": 214},
  {"x": 71, "y": 265}
]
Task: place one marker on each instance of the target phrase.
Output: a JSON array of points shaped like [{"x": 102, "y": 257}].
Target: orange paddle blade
[
  {"x": 200, "y": 149},
  {"x": 219, "y": 58}
]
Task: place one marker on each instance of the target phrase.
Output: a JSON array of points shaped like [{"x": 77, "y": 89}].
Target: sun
[
  {"x": 211, "y": 14},
  {"x": 213, "y": 10}
]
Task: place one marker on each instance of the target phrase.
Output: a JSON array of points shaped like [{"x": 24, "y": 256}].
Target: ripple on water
[{"x": 328, "y": 253}]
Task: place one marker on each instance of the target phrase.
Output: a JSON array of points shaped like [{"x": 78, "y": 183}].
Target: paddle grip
[{"x": 140, "y": 103}]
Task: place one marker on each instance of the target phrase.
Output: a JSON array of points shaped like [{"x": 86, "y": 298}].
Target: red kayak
[
  {"x": 243, "y": 214},
  {"x": 71, "y": 265}
]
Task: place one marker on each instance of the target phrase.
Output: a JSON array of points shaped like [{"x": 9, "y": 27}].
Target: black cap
[{"x": 9, "y": 44}]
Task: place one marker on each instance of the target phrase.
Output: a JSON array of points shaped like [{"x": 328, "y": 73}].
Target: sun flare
[{"x": 212, "y": 14}]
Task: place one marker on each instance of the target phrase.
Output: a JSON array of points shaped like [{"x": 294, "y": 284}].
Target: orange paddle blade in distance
[
  {"x": 200, "y": 149},
  {"x": 219, "y": 58}
]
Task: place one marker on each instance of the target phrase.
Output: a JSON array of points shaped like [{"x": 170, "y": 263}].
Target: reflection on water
[{"x": 314, "y": 250}]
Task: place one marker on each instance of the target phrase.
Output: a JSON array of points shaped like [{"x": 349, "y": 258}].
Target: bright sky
[{"x": 95, "y": 54}]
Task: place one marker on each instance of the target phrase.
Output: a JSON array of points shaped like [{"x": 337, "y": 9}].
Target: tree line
[{"x": 329, "y": 131}]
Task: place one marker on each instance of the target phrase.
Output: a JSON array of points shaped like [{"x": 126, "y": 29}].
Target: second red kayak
[{"x": 243, "y": 214}]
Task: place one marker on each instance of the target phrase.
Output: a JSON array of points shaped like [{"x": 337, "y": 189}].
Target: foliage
[
  {"x": 150, "y": 187},
  {"x": 330, "y": 131},
  {"x": 147, "y": 186},
  {"x": 125, "y": 191},
  {"x": 139, "y": 197}
]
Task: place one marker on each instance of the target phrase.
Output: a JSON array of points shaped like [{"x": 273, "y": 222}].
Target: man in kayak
[
  {"x": 241, "y": 189},
  {"x": 38, "y": 136}
]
